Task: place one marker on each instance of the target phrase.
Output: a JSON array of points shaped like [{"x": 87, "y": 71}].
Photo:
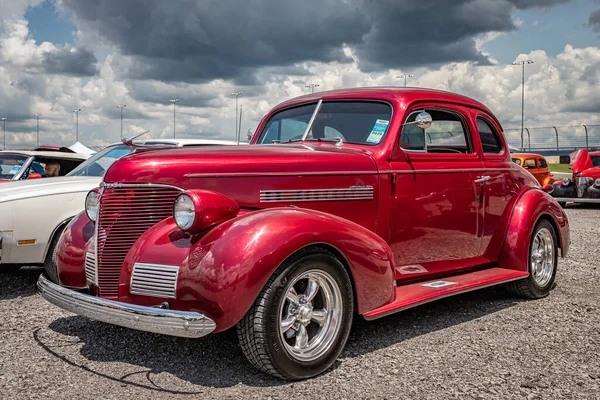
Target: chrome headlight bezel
[
  {"x": 184, "y": 212},
  {"x": 91, "y": 204}
]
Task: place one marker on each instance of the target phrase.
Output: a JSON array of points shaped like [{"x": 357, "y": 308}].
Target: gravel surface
[{"x": 480, "y": 345}]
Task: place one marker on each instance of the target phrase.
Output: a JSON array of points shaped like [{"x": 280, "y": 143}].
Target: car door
[
  {"x": 499, "y": 188},
  {"x": 435, "y": 216}
]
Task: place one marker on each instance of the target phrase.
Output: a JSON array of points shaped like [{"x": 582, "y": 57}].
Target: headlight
[
  {"x": 566, "y": 182},
  {"x": 597, "y": 183},
  {"x": 91, "y": 205},
  {"x": 184, "y": 212}
]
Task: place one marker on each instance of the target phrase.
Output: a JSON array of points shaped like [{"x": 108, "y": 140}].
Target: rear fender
[
  {"x": 531, "y": 206},
  {"x": 223, "y": 271}
]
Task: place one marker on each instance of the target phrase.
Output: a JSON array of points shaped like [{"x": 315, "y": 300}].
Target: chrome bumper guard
[
  {"x": 577, "y": 199},
  {"x": 149, "y": 319}
]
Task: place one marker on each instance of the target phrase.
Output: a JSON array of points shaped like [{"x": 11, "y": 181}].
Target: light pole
[
  {"x": 37, "y": 116},
  {"x": 76, "y": 111},
  {"x": 4, "y": 129},
  {"x": 174, "y": 101},
  {"x": 237, "y": 130},
  {"x": 522, "y": 63},
  {"x": 312, "y": 86},
  {"x": 121, "y": 106},
  {"x": 404, "y": 76}
]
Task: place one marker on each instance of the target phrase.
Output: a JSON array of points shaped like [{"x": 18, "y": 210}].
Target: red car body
[{"x": 395, "y": 218}]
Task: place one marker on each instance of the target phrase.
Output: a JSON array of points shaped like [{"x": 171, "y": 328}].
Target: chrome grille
[
  {"x": 125, "y": 213},
  {"x": 90, "y": 267},
  {"x": 154, "y": 280}
]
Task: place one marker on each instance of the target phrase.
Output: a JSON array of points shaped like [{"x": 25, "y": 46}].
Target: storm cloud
[
  {"x": 594, "y": 21},
  {"x": 70, "y": 61},
  {"x": 199, "y": 41}
]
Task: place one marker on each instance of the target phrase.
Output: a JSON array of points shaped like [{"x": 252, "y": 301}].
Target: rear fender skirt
[
  {"x": 223, "y": 271},
  {"x": 531, "y": 206}
]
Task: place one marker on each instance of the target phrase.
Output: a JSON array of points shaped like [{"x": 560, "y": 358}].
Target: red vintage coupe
[
  {"x": 349, "y": 202},
  {"x": 584, "y": 185}
]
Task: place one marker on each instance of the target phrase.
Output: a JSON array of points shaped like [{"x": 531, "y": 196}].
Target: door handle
[{"x": 482, "y": 179}]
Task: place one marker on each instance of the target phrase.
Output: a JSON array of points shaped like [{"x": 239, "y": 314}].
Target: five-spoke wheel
[
  {"x": 300, "y": 321},
  {"x": 543, "y": 259}
]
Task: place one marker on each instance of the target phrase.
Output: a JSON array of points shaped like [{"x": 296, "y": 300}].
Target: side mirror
[
  {"x": 424, "y": 120},
  {"x": 249, "y": 135},
  {"x": 34, "y": 175}
]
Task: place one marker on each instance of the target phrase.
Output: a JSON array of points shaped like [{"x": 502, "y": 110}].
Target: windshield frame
[
  {"x": 96, "y": 157},
  {"x": 319, "y": 103}
]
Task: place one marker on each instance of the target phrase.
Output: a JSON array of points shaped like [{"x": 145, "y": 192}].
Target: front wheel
[
  {"x": 543, "y": 260},
  {"x": 300, "y": 322}
]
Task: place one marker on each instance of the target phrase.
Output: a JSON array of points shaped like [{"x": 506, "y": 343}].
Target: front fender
[
  {"x": 223, "y": 271},
  {"x": 531, "y": 206},
  {"x": 70, "y": 254}
]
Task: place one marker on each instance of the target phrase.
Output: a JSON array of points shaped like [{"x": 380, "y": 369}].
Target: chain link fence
[{"x": 555, "y": 139}]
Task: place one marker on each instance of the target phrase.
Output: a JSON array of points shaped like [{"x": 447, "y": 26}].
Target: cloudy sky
[{"x": 61, "y": 55}]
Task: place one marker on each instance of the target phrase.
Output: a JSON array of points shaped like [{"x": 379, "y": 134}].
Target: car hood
[
  {"x": 244, "y": 172},
  {"x": 46, "y": 187},
  {"x": 580, "y": 161},
  {"x": 172, "y": 166}
]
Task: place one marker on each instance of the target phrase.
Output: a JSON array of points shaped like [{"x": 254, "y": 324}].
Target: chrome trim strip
[
  {"x": 312, "y": 119},
  {"x": 577, "y": 199},
  {"x": 91, "y": 268},
  {"x": 150, "y": 319},
  {"x": 117, "y": 185},
  {"x": 264, "y": 174},
  {"x": 335, "y": 194}
]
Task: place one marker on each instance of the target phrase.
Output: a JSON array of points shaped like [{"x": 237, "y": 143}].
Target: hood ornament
[{"x": 129, "y": 141}]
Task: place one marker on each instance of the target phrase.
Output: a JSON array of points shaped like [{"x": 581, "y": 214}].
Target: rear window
[
  {"x": 543, "y": 163},
  {"x": 490, "y": 140},
  {"x": 356, "y": 122}
]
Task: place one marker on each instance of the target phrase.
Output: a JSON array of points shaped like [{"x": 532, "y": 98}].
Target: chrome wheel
[
  {"x": 542, "y": 257},
  {"x": 309, "y": 315}
]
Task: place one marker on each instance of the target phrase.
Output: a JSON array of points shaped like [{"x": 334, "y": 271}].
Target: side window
[
  {"x": 530, "y": 164},
  {"x": 516, "y": 161},
  {"x": 447, "y": 134},
  {"x": 490, "y": 140},
  {"x": 543, "y": 163}
]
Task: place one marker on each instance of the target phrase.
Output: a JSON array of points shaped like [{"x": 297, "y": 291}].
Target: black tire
[
  {"x": 259, "y": 331},
  {"x": 50, "y": 261},
  {"x": 529, "y": 287}
]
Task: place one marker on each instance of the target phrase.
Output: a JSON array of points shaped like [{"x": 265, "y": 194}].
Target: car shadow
[
  {"x": 20, "y": 283},
  {"x": 583, "y": 206},
  {"x": 217, "y": 361}
]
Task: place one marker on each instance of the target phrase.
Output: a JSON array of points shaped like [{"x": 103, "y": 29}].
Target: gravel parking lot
[{"x": 484, "y": 344}]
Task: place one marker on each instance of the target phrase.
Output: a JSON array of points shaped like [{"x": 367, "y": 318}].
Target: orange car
[{"x": 536, "y": 165}]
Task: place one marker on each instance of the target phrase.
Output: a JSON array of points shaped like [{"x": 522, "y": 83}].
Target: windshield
[
  {"x": 596, "y": 161},
  {"x": 101, "y": 161},
  {"x": 358, "y": 122},
  {"x": 11, "y": 164}
]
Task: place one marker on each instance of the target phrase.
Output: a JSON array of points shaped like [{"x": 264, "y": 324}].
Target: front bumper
[{"x": 149, "y": 319}]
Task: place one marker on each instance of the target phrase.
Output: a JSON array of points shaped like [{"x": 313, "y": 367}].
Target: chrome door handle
[{"x": 482, "y": 179}]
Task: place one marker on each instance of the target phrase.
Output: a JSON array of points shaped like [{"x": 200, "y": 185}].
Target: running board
[{"x": 415, "y": 294}]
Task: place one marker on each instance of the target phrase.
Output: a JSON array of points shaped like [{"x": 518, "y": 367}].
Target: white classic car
[
  {"x": 33, "y": 213},
  {"x": 18, "y": 165}
]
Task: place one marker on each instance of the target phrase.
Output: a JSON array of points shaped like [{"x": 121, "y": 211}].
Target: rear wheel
[
  {"x": 300, "y": 322},
  {"x": 543, "y": 260}
]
